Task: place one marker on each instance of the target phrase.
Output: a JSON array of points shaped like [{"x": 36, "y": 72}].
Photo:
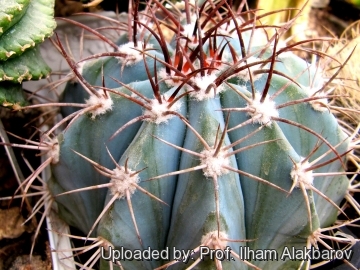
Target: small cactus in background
[
  {"x": 219, "y": 138},
  {"x": 23, "y": 25}
]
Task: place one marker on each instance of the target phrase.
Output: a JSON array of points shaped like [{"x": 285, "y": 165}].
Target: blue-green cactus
[{"x": 203, "y": 142}]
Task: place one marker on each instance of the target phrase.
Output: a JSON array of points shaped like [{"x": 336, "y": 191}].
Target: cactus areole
[{"x": 204, "y": 150}]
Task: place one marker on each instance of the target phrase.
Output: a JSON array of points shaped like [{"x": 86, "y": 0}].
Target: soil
[
  {"x": 15, "y": 243},
  {"x": 15, "y": 237}
]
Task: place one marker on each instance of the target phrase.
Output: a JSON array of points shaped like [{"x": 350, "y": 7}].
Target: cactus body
[
  {"x": 148, "y": 152},
  {"x": 213, "y": 151},
  {"x": 103, "y": 127}
]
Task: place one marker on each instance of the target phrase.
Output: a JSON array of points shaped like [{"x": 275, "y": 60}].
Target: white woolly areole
[
  {"x": 262, "y": 112},
  {"x": 244, "y": 74},
  {"x": 147, "y": 22},
  {"x": 80, "y": 66},
  {"x": 228, "y": 29},
  {"x": 215, "y": 240},
  {"x": 54, "y": 151},
  {"x": 207, "y": 88},
  {"x": 320, "y": 104},
  {"x": 158, "y": 110},
  {"x": 318, "y": 82},
  {"x": 123, "y": 181},
  {"x": 169, "y": 79},
  {"x": 300, "y": 175},
  {"x": 188, "y": 33},
  {"x": 214, "y": 165},
  {"x": 180, "y": 5},
  {"x": 133, "y": 55},
  {"x": 188, "y": 29},
  {"x": 259, "y": 36},
  {"x": 102, "y": 103}
]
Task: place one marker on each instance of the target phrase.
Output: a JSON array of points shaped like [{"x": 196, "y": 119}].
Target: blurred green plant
[{"x": 24, "y": 24}]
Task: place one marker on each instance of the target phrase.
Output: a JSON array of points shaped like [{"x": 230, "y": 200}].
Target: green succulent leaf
[
  {"x": 11, "y": 11},
  {"x": 11, "y": 95},
  {"x": 33, "y": 27},
  {"x": 28, "y": 66}
]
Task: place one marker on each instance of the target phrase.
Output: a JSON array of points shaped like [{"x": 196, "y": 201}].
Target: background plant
[{"x": 23, "y": 25}]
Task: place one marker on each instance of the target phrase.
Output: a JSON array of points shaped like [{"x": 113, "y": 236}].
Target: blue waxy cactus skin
[
  {"x": 103, "y": 127},
  {"x": 195, "y": 191},
  {"x": 115, "y": 70},
  {"x": 214, "y": 151},
  {"x": 148, "y": 152}
]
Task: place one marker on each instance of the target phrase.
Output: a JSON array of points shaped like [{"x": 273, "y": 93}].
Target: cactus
[
  {"x": 210, "y": 140},
  {"x": 23, "y": 25}
]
